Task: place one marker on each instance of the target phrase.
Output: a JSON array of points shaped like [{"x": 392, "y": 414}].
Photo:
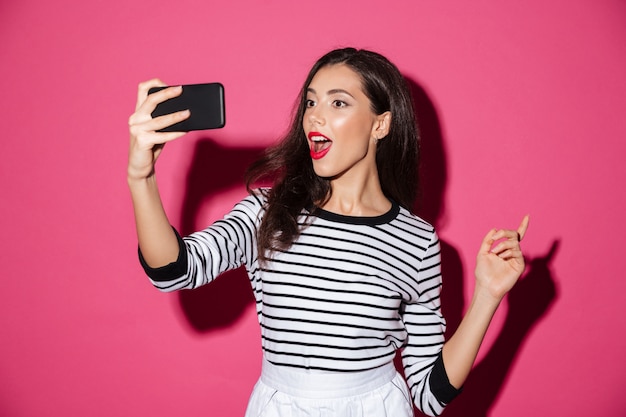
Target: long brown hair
[{"x": 288, "y": 164}]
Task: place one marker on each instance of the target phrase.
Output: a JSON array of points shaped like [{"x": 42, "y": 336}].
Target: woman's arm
[
  {"x": 157, "y": 240},
  {"x": 497, "y": 270}
]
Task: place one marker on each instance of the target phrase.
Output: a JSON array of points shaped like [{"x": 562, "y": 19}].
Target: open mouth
[{"x": 320, "y": 145}]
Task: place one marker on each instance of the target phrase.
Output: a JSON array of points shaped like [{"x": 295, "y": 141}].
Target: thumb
[{"x": 521, "y": 230}]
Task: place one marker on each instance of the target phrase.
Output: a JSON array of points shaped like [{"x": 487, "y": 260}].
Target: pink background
[{"x": 523, "y": 106}]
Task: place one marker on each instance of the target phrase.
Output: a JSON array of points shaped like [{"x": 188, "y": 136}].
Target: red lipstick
[{"x": 320, "y": 145}]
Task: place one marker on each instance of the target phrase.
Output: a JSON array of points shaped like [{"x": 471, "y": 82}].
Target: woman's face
[{"x": 340, "y": 126}]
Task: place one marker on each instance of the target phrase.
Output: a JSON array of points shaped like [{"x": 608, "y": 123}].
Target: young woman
[{"x": 343, "y": 273}]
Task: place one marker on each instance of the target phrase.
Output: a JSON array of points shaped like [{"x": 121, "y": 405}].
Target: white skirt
[{"x": 287, "y": 392}]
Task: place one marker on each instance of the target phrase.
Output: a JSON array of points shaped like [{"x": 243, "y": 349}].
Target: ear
[{"x": 382, "y": 125}]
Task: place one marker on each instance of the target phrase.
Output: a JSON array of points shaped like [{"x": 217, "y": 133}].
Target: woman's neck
[{"x": 357, "y": 198}]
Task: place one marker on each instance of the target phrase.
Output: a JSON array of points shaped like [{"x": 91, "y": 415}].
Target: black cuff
[
  {"x": 170, "y": 271},
  {"x": 440, "y": 384}
]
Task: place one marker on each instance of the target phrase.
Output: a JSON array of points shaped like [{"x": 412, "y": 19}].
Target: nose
[{"x": 315, "y": 116}]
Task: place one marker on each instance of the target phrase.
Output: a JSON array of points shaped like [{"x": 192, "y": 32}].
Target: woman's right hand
[{"x": 146, "y": 143}]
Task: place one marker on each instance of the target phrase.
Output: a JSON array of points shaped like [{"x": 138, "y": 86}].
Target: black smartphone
[{"x": 204, "y": 101}]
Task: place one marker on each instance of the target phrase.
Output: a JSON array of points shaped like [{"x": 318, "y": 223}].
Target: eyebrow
[{"x": 331, "y": 92}]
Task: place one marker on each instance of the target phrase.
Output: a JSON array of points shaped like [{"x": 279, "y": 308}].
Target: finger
[
  {"x": 152, "y": 100},
  {"x": 505, "y": 234},
  {"x": 521, "y": 230},
  {"x": 506, "y": 244},
  {"x": 485, "y": 246},
  {"x": 140, "y": 121},
  {"x": 144, "y": 87},
  {"x": 167, "y": 120},
  {"x": 510, "y": 254},
  {"x": 151, "y": 126},
  {"x": 513, "y": 234}
]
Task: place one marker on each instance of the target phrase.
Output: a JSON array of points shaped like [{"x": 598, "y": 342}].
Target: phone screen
[{"x": 204, "y": 101}]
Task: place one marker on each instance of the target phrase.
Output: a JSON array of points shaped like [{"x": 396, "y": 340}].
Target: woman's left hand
[{"x": 499, "y": 266}]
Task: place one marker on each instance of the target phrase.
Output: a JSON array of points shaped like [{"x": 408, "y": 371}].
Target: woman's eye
[
  {"x": 339, "y": 103},
  {"x": 309, "y": 103}
]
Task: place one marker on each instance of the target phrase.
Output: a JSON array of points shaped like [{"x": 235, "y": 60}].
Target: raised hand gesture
[
  {"x": 145, "y": 142},
  {"x": 500, "y": 261}
]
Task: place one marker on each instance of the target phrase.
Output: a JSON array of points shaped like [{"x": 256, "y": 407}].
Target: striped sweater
[{"x": 344, "y": 297}]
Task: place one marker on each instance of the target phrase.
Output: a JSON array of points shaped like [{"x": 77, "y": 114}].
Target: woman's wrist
[
  {"x": 133, "y": 177},
  {"x": 485, "y": 297}
]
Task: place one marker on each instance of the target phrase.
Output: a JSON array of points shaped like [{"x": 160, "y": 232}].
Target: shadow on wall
[
  {"x": 215, "y": 168},
  {"x": 485, "y": 383},
  {"x": 528, "y": 302}
]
